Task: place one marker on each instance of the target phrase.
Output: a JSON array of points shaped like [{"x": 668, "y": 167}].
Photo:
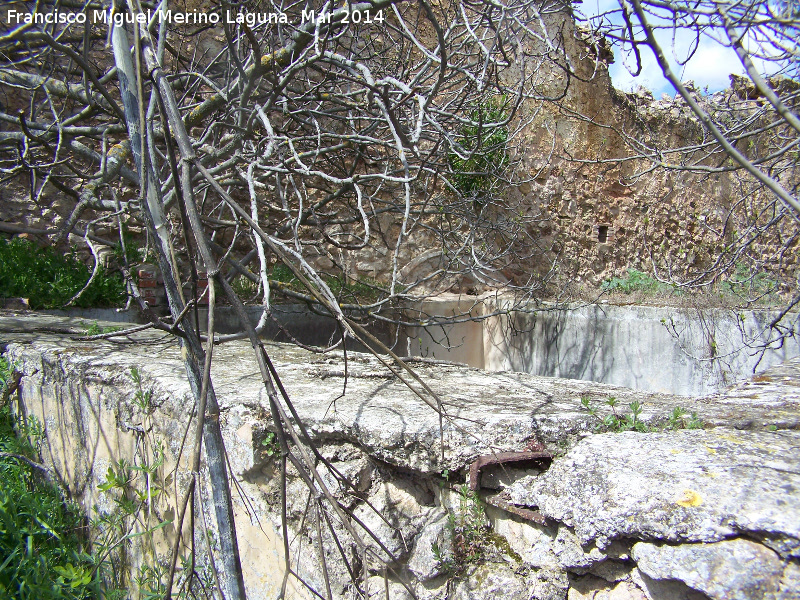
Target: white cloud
[
  {"x": 710, "y": 64},
  {"x": 650, "y": 76}
]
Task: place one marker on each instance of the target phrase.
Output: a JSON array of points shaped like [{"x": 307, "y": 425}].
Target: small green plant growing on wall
[
  {"x": 135, "y": 490},
  {"x": 96, "y": 329},
  {"x": 630, "y": 420},
  {"x": 270, "y": 446},
  {"x": 472, "y": 539},
  {"x": 470, "y": 535},
  {"x": 679, "y": 418},
  {"x": 129, "y": 252}
]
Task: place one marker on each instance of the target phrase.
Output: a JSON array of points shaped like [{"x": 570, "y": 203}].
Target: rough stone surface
[
  {"x": 729, "y": 570},
  {"x": 594, "y": 589},
  {"x": 665, "y": 589},
  {"x": 378, "y": 412},
  {"x": 682, "y": 486},
  {"x": 491, "y": 581},
  {"x": 396, "y": 514},
  {"x": 377, "y": 589},
  {"x": 423, "y": 561},
  {"x": 571, "y": 555}
]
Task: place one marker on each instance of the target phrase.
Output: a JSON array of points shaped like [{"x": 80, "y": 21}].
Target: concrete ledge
[{"x": 682, "y": 351}]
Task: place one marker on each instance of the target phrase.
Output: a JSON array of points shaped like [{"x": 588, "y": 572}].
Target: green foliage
[
  {"x": 134, "y": 489},
  {"x": 486, "y": 144},
  {"x": 270, "y": 445},
  {"x": 282, "y": 273},
  {"x": 131, "y": 253},
  {"x": 244, "y": 288},
  {"x": 96, "y": 329},
  {"x": 141, "y": 398},
  {"x": 445, "y": 478},
  {"x": 470, "y": 533},
  {"x": 151, "y": 579},
  {"x": 42, "y": 555},
  {"x": 631, "y": 421},
  {"x": 615, "y": 421},
  {"x": 681, "y": 419},
  {"x": 360, "y": 291},
  {"x": 50, "y": 279},
  {"x": 635, "y": 281},
  {"x": 750, "y": 285},
  {"x": 6, "y": 370}
]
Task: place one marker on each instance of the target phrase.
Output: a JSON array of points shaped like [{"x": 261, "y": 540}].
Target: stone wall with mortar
[
  {"x": 594, "y": 209},
  {"x": 674, "y": 221},
  {"x": 695, "y": 514}
]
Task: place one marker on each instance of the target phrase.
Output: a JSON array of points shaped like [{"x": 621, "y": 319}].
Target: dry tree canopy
[{"x": 369, "y": 135}]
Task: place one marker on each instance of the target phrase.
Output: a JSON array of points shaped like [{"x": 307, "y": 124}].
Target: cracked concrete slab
[
  {"x": 488, "y": 411},
  {"x": 679, "y": 486}
]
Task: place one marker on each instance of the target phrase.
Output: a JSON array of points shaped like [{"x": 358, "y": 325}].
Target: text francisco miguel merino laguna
[{"x": 186, "y": 18}]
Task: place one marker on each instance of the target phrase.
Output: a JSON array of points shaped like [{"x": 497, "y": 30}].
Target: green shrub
[
  {"x": 41, "y": 551},
  {"x": 50, "y": 279},
  {"x": 246, "y": 290},
  {"x": 282, "y": 273},
  {"x": 635, "y": 281},
  {"x": 476, "y": 173},
  {"x": 360, "y": 291},
  {"x": 750, "y": 285}
]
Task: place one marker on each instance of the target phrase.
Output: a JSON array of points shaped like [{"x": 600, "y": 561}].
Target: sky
[{"x": 709, "y": 67}]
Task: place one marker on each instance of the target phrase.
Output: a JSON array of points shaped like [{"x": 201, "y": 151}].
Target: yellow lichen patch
[
  {"x": 675, "y": 451},
  {"x": 710, "y": 449},
  {"x": 738, "y": 440},
  {"x": 277, "y": 58},
  {"x": 730, "y": 438},
  {"x": 119, "y": 152},
  {"x": 689, "y": 498}
]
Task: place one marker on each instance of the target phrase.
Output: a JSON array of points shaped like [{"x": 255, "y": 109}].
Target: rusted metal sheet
[{"x": 499, "y": 458}]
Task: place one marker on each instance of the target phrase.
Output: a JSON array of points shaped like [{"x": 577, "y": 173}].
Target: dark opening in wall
[{"x": 602, "y": 233}]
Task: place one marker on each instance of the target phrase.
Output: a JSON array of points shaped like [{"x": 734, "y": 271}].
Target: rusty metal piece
[
  {"x": 498, "y": 458},
  {"x": 526, "y": 513}
]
